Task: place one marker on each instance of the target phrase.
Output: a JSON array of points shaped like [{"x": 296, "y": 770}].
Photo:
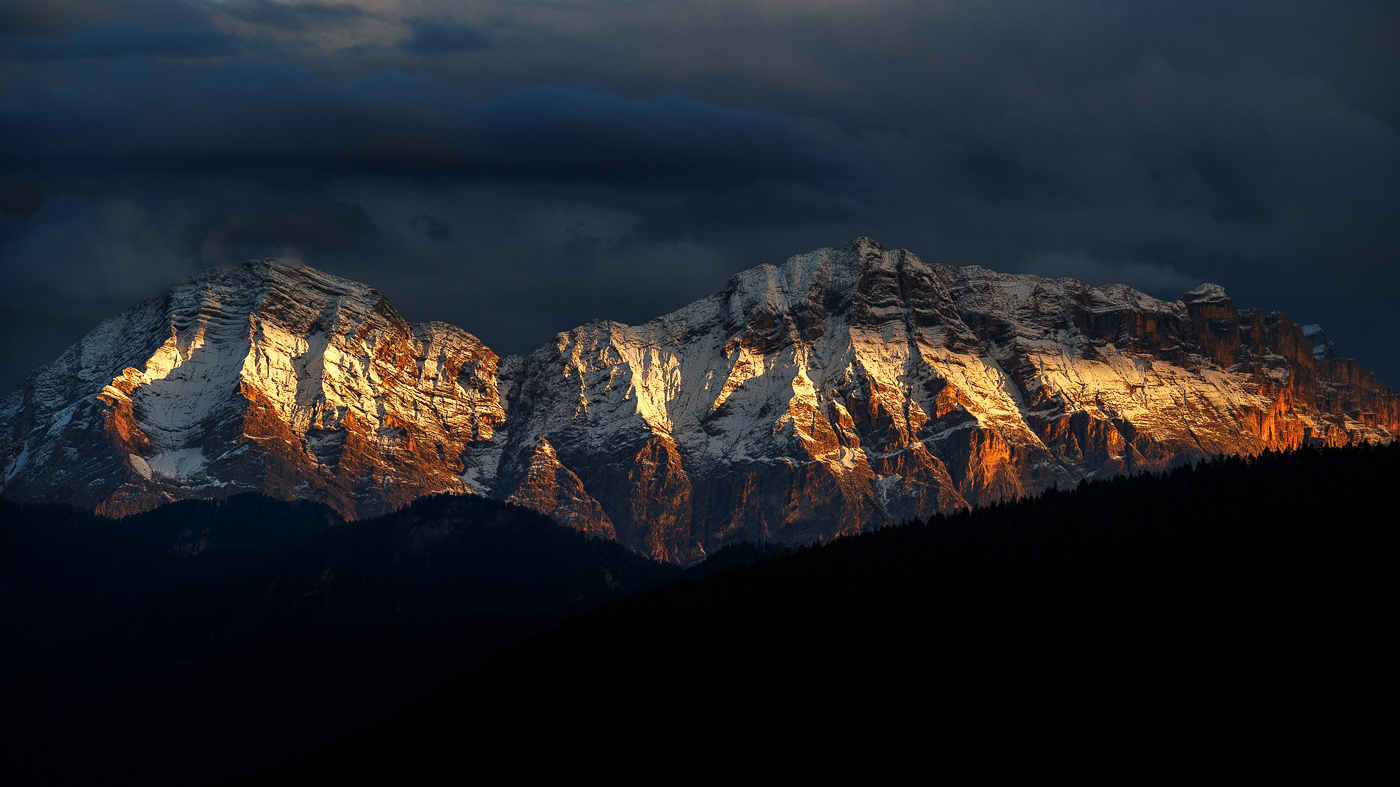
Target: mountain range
[{"x": 848, "y": 389}]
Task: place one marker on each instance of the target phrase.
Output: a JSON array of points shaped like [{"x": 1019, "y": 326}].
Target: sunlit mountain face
[{"x": 847, "y": 389}]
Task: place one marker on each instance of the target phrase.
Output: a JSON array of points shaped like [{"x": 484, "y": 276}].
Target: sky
[{"x": 520, "y": 167}]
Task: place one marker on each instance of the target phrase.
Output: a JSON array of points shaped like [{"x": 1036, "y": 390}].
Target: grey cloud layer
[
  {"x": 518, "y": 167},
  {"x": 142, "y": 115}
]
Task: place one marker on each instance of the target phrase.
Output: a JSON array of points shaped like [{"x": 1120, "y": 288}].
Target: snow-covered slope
[
  {"x": 262, "y": 376},
  {"x": 847, "y": 389}
]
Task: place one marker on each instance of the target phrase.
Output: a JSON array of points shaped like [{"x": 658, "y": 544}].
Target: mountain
[{"x": 848, "y": 389}]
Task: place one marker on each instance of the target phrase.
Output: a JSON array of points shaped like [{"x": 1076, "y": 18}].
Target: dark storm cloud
[
  {"x": 431, "y": 226},
  {"x": 146, "y": 115},
  {"x": 20, "y": 17},
  {"x": 124, "y": 38},
  {"x": 288, "y": 16},
  {"x": 434, "y": 38},
  {"x": 518, "y": 167},
  {"x": 563, "y": 133},
  {"x": 713, "y": 214}
]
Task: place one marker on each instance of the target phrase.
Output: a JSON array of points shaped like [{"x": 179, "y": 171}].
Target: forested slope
[
  {"x": 1249, "y": 593},
  {"x": 205, "y": 639}
]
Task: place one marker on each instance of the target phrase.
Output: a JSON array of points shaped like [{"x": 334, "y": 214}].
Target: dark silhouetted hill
[
  {"x": 205, "y": 639},
  {"x": 1205, "y": 609}
]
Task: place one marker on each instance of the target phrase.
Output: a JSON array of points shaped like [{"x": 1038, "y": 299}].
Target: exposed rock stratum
[{"x": 847, "y": 389}]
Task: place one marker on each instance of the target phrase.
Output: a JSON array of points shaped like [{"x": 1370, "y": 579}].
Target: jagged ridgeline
[
  {"x": 848, "y": 389},
  {"x": 1237, "y": 597}
]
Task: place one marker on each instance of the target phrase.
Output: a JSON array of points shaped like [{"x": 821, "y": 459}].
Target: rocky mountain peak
[
  {"x": 1206, "y": 293},
  {"x": 847, "y": 388}
]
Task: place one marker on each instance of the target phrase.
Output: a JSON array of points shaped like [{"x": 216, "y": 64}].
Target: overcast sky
[{"x": 520, "y": 167}]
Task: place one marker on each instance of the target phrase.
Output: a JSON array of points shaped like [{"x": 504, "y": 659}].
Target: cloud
[
  {"x": 125, "y": 38},
  {"x": 431, "y": 226},
  {"x": 290, "y": 16},
  {"x": 152, "y": 116},
  {"x": 23, "y": 18},
  {"x": 435, "y": 38}
]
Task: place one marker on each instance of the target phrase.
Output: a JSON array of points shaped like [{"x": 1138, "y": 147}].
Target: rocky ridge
[{"x": 849, "y": 388}]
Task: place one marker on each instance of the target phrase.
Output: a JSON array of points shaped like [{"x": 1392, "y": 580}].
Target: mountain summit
[{"x": 849, "y": 388}]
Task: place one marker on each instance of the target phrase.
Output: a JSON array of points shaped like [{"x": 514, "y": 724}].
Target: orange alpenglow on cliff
[{"x": 844, "y": 390}]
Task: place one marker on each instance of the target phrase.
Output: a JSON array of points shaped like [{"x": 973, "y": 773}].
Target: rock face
[
  {"x": 848, "y": 389},
  {"x": 263, "y": 377}
]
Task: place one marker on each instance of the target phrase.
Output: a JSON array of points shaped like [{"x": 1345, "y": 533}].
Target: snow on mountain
[
  {"x": 262, "y": 376},
  {"x": 849, "y": 388},
  {"x": 1323, "y": 348}
]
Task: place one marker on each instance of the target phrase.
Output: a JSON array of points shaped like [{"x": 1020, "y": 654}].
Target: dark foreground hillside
[
  {"x": 1192, "y": 612},
  {"x": 204, "y": 640}
]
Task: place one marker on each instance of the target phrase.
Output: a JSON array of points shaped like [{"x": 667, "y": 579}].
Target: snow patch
[
  {"x": 19, "y": 463},
  {"x": 1206, "y": 293},
  {"x": 182, "y": 465},
  {"x": 139, "y": 465}
]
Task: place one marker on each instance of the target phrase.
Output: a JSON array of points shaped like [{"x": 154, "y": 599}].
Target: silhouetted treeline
[
  {"x": 1236, "y": 597},
  {"x": 205, "y": 639}
]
